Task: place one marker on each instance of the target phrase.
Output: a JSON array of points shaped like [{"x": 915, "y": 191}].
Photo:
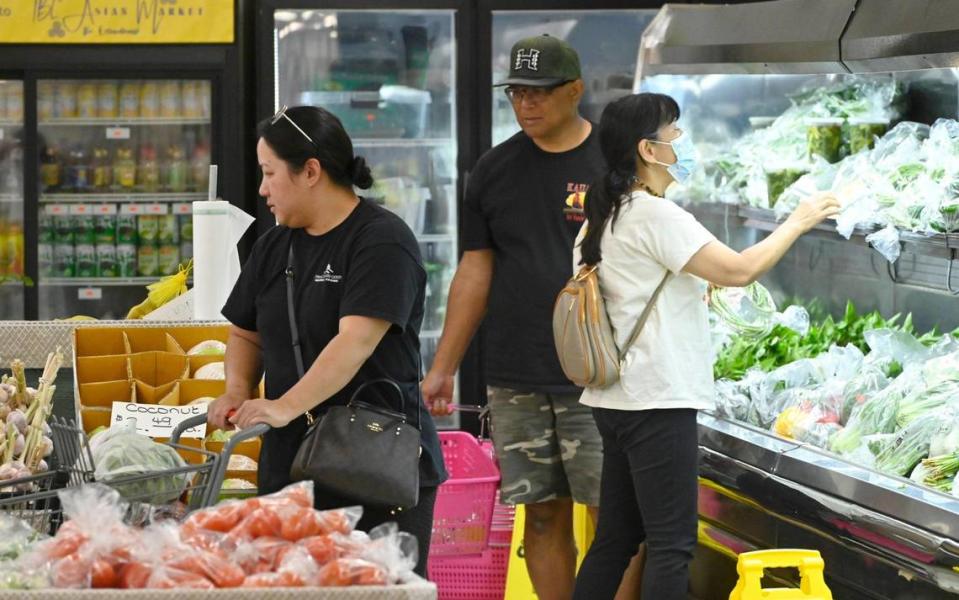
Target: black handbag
[{"x": 363, "y": 452}]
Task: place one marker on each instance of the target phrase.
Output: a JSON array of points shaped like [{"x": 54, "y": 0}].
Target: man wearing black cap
[{"x": 523, "y": 209}]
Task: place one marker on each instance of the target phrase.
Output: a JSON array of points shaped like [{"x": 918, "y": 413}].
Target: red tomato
[
  {"x": 71, "y": 572},
  {"x": 261, "y": 555},
  {"x": 274, "y": 580},
  {"x": 167, "y": 578},
  {"x": 351, "y": 571},
  {"x": 222, "y": 517},
  {"x": 134, "y": 575},
  {"x": 67, "y": 541},
  {"x": 102, "y": 574},
  {"x": 223, "y": 573}
]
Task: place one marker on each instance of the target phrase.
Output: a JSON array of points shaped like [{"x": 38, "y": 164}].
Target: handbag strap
[
  {"x": 638, "y": 328},
  {"x": 298, "y": 352}
]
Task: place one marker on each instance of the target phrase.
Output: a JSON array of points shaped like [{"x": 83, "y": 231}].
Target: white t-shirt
[{"x": 669, "y": 365}]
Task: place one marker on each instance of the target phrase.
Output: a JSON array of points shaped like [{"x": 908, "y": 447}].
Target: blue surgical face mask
[{"x": 686, "y": 160}]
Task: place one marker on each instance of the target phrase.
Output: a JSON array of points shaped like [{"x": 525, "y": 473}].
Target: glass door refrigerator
[
  {"x": 393, "y": 77},
  {"x": 120, "y": 162},
  {"x": 12, "y": 275},
  {"x": 107, "y": 134}
]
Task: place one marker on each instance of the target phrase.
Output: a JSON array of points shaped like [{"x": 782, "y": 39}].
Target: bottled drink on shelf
[
  {"x": 87, "y": 100},
  {"x": 200, "y": 167},
  {"x": 127, "y": 228},
  {"x": 107, "y": 100},
  {"x": 65, "y": 105},
  {"x": 45, "y": 259},
  {"x": 63, "y": 229},
  {"x": 14, "y": 248},
  {"x": 124, "y": 170},
  {"x": 51, "y": 169},
  {"x": 150, "y": 99},
  {"x": 84, "y": 225},
  {"x": 46, "y": 227},
  {"x": 86, "y": 260},
  {"x": 147, "y": 230},
  {"x": 168, "y": 259},
  {"x": 107, "y": 263},
  {"x": 167, "y": 230},
  {"x": 78, "y": 170},
  {"x": 106, "y": 227},
  {"x": 102, "y": 176},
  {"x": 130, "y": 99},
  {"x": 191, "y": 100},
  {"x": 46, "y": 96},
  {"x": 64, "y": 260},
  {"x": 127, "y": 260},
  {"x": 13, "y": 98},
  {"x": 175, "y": 169},
  {"x": 185, "y": 223},
  {"x": 203, "y": 96},
  {"x": 170, "y": 106},
  {"x": 148, "y": 261},
  {"x": 148, "y": 170}
]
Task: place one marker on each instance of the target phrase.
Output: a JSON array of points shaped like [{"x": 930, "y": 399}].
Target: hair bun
[{"x": 360, "y": 173}]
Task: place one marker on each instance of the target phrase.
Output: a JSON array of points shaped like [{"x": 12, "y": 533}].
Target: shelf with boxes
[{"x": 154, "y": 367}]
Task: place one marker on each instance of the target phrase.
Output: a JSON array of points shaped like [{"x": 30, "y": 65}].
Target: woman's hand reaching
[{"x": 813, "y": 210}]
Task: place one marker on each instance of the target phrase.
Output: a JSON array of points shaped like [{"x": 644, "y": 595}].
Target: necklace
[{"x": 639, "y": 183}]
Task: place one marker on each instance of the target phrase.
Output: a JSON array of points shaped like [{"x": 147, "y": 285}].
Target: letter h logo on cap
[{"x": 529, "y": 58}]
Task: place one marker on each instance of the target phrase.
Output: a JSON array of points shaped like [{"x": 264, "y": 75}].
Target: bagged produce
[
  {"x": 122, "y": 452},
  {"x": 902, "y": 452}
]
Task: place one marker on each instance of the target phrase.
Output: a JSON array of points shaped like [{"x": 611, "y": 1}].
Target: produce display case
[{"x": 784, "y": 98}]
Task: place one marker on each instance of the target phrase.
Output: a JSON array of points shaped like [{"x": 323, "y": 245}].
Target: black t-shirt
[
  {"x": 369, "y": 265},
  {"x": 527, "y": 205}
]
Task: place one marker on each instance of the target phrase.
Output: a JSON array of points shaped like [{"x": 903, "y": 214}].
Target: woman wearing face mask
[{"x": 648, "y": 418}]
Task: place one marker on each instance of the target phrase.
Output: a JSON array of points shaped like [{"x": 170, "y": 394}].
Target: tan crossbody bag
[{"x": 583, "y": 335}]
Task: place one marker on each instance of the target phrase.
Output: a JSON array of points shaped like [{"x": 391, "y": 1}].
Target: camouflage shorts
[{"x": 547, "y": 445}]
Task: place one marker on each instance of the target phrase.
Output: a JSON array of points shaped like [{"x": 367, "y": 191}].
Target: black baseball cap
[{"x": 542, "y": 61}]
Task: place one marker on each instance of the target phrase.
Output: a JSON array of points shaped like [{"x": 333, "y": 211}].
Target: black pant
[{"x": 648, "y": 493}]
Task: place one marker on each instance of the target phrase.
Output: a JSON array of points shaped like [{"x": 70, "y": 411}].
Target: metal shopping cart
[{"x": 35, "y": 499}]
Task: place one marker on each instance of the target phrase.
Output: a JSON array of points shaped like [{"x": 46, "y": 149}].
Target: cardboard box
[
  {"x": 151, "y": 340},
  {"x": 98, "y": 341},
  {"x": 159, "y": 368},
  {"x": 93, "y": 418},
  {"x": 192, "y": 389},
  {"x": 94, "y": 369},
  {"x": 166, "y": 394},
  {"x": 104, "y": 394}
]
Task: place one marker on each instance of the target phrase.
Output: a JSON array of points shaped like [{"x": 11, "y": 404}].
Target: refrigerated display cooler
[
  {"x": 103, "y": 148},
  {"x": 782, "y": 98}
]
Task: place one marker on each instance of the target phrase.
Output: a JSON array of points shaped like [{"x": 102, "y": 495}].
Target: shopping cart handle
[{"x": 186, "y": 424}]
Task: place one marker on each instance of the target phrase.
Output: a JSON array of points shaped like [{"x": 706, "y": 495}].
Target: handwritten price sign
[{"x": 157, "y": 421}]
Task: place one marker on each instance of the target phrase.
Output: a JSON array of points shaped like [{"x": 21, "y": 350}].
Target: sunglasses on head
[{"x": 281, "y": 114}]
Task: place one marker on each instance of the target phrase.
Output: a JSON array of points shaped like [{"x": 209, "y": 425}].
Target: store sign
[
  {"x": 116, "y": 21},
  {"x": 156, "y": 420}
]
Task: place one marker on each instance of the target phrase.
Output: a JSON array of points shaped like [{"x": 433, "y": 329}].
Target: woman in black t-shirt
[{"x": 358, "y": 288}]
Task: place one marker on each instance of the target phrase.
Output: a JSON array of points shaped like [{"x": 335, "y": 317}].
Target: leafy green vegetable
[{"x": 825, "y": 139}]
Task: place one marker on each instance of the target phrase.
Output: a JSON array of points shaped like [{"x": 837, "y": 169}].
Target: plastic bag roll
[{"x": 217, "y": 227}]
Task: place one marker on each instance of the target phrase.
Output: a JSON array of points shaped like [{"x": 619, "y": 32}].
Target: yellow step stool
[
  {"x": 751, "y": 565},
  {"x": 518, "y": 584}
]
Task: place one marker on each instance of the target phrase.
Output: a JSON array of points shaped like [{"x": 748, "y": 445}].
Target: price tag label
[
  {"x": 131, "y": 209},
  {"x": 90, "y": 293},
  {"x": 105, "y": 209},
  {"x": 155, "y": 209},
  {"x": 81, "y": 209},
  {"x": 182, "y": 208},
  {"x": 157, "y": 421},
  {"x": 118, "y": 133},
  {"x": 58, "y": 209}
]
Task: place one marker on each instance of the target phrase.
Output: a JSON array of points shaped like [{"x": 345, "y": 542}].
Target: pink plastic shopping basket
[
  {"x": 464, "y": 503},
  {"x": 477, "y": 576}
]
